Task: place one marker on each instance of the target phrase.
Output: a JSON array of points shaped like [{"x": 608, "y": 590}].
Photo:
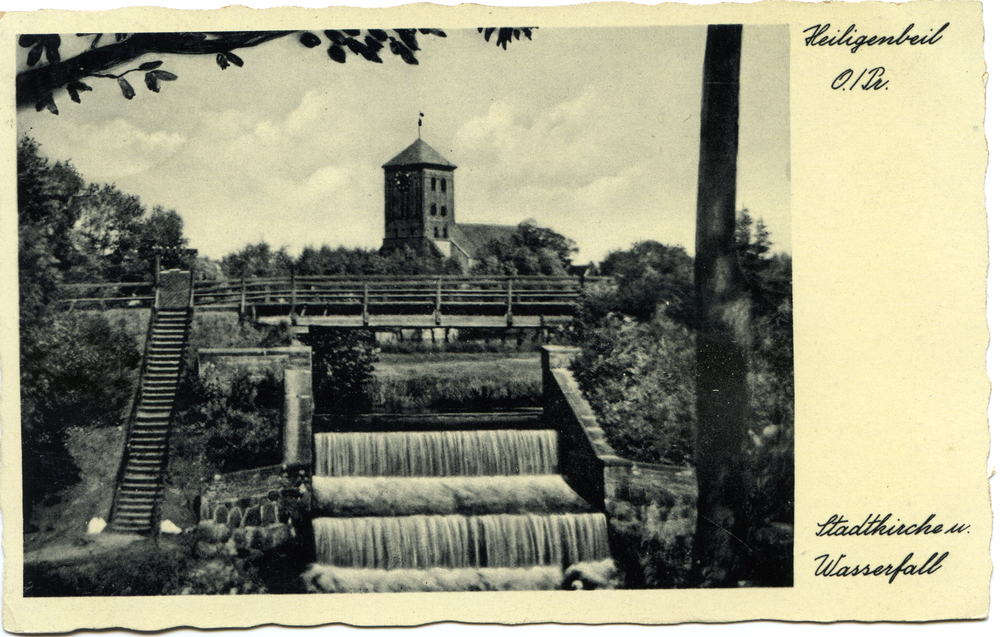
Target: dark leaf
[
  {"x": 517, "y": 34},
  {"x": 48, "y": 102},
  {"x": 27, "y": 40},
  {"x": 309, "y": 39},
  {"x": 35, "y": 54},
  {"x": 503, "y": 36},
  {"x": 409, "y": 38},
  {"x": 488, "y": 32},
  {"x": 52, "y": 41},
  {"x": 373, "y": 44},
  {"x": 74, "y": 88},
  {"x": 127, "y": 89},
  {"x": 480, "y": 29},
  {"x": 97, "y": 39},
  {"x": 235, "y": 59},
  {"x": 52, "y": 54},
  {"x": 437, "y": 32},
  {"x": 353, "y": 32},
  {"x": 221, "y": 60},
  {"x": 379, "y": 34},
  {"x": 403, "y": 52},
  {"x": 527, "y": 31},
  {"x": 120, "y": 36},
  {"x": 336, "y": 53},
  {"x": 364, "y": 50},
  {"x": 165, "y": 76},
  {"x": 149, "y": 66},
  {"x": 335, "y": 36},
  {"x": 152, "y": 82}
]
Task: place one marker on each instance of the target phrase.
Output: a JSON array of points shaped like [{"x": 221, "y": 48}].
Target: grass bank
[{"x": 450, "y": 381}]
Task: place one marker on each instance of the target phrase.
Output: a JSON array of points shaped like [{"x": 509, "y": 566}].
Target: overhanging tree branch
[{"x": 34, "y": 85}]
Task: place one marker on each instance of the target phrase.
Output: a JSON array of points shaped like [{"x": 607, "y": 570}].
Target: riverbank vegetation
[{"x": 637, "y": 371}]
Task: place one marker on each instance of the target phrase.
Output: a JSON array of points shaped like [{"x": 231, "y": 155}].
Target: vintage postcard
[{"x": 594, "y": 314}]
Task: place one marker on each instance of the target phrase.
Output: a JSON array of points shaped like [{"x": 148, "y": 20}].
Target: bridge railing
[
  {"x": 103, "y": 296},
  {"x": 352, "y": 293}
]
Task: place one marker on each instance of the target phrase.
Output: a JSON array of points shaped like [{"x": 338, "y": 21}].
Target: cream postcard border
[{"x": 878, "y": 304}]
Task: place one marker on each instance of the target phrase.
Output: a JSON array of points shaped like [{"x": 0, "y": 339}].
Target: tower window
[
  {"x": 436, "y": 233},
  {"x": 434, "y": 209},
  {"x": 434, "y": 183},
  {"x": 444, "y": 186},
  {"x": 444, "y": 231},
  {"x": 444, "y": 209}
]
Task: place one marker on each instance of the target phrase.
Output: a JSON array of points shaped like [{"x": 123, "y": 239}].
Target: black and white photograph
[
  {"x": 388, "y": 310},
  {"x": 483, "y": 316}
]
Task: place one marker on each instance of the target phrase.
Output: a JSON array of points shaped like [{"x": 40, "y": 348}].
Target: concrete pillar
[{"x": 297, "y": 431}]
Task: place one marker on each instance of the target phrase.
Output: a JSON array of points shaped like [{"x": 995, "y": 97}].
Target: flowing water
[
  {"x": 501, "y": 452},
  {"x": 457, "y": 541},
  {"x": 521, "y": 521}
]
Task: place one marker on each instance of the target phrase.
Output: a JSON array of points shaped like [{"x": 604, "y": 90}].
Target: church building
[{"x": 420, "y": 208}]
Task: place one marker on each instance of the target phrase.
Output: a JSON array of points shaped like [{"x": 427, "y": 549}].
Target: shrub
[
  {"x": 240, "y": 421},
  {"x": 639, "y": 379},
  {"x": 343, "y": 364},
  {"x": 77, "y": 370}
]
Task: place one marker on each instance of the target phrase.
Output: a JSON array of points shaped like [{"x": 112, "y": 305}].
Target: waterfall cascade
[{"x": 486, "y": 501}]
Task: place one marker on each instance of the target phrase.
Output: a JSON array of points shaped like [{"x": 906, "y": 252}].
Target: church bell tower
[{"x": 419, "y": 199}]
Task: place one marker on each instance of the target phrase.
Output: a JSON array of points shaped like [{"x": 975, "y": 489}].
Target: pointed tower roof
[{"x": 419, "y": 153}]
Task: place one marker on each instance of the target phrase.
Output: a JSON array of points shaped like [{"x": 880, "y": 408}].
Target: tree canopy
[
  {"x": 109, "y": 56},
  {"x": 529, "y": 251}
]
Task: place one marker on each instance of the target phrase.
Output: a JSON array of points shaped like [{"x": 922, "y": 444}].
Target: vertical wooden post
[
  {"x": 437, "y": 304},
  {"x": 294, "y": 296},
  {"x": 364, "y": 306},
  {"x": 722, "y": 311},
  {"x": 243, "y": 296},
  {"x": 510, "y": 302},
  {"x": 191, "y": 282},
  {"x": 156, "y": 280}
]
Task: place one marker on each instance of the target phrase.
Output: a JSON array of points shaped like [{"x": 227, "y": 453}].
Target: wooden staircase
[{"x": 144, "y": 460}]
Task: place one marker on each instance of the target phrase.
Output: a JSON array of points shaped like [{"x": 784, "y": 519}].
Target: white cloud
[{"x": 121, "y": 148}]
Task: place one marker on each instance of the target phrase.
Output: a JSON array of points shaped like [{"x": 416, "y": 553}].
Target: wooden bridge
[{"x": 386, "y": 302}]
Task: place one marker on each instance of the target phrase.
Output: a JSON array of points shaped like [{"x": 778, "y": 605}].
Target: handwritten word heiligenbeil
[
  {"x": 816, "y": 38},
  {"x": 838, "y": 526},
  {"x": 829, "y": 567}
]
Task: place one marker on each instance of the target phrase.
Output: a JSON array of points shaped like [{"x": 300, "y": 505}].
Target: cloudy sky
[{"x": 592, "y": 132}]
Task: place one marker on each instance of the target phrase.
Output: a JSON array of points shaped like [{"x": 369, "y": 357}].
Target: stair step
[
  {"x": 146, "y": 492},
  {"x": 134, "y": 517}
]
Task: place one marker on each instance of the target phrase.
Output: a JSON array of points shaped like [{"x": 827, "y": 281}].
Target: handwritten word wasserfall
[
  {"x": 817, "y": 37},
  {"x": 828, "y": 567}
]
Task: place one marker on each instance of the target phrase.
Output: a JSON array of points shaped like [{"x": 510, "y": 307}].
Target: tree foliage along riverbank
[{"x": 637, "y": 371}]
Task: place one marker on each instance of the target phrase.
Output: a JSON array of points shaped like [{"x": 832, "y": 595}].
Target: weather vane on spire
[{"x": 420, "y": 122}]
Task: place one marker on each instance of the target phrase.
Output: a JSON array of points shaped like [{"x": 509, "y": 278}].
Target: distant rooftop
[
  {"x": 472, "y": 237},
  {"x": 419, "y": 153}
]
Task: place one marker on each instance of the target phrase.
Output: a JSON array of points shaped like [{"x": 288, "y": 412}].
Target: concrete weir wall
[
  {"x": 294, "y": 365},
  {"x": 590, "y": 465},
  {"x": 261, "y": 508}
]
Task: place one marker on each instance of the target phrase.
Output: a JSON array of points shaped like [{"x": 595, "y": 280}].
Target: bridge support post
[
  {"x": 510, "y": 302},
  {"x": 437, "y": 304},
  {"x": 243, "y": 297},
  {"x": 364, "y": 307}
]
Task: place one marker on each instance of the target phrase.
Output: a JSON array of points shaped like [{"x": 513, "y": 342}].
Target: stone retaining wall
[
  {"x": 257, "y": 509},
  {"x": 589, "y": 463}
]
